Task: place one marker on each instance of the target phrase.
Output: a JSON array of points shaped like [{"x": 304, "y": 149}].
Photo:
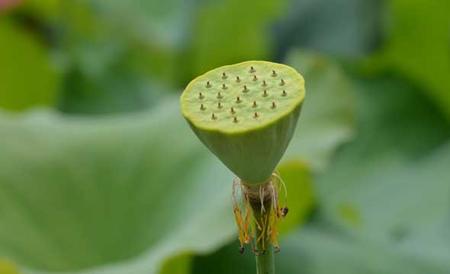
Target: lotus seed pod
[{"x": 245, "y": 114}]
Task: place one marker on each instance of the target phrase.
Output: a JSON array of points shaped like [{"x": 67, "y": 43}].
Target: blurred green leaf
[
  {"x": 298, "y": 179},
  {"x": 348, "y": 28},
  {"x": 381, "y": 178},
  {"x": 180, "y": 264},
  {"x": 319, "y": 251},
  {"x": 327, "y": 118},
  {"x": 418, "y": 46},
  {"x": 27, "y": 76},
  {"x": 108, "y": 195},
  {"x": 7, "y": 267},
  {"x": 230, "y": 31}
]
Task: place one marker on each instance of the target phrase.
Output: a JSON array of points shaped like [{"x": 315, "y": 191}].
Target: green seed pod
[{"x": 245, "y": 114}]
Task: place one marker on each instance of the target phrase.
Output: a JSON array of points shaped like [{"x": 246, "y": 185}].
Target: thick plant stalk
[{"x": 260, "y": 198}]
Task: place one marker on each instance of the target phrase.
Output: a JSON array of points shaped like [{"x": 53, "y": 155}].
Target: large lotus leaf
[
  {"x": 378, "y": 183},
  {"x": 108, "y": 194},
  {"x": 327, "y": 118},
  {"x": 27, "y": 76},
  {"x": 418, "y": 46}
]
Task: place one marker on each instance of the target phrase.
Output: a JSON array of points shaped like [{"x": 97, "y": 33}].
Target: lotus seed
[
  {"x": 252, "y": 69},
  {"x": 245, "y": 88},
  {"x": 282, "y": 82},
  {"x": 224, "y": 75},
  {"x": 255, "y": 78},
  {"x": 238, "y": 99},
  {"x": 235, "y": 119},
  {"x": 219, "y": 105},
  {"x": 265, "y": 93},
  {"x": 202, "y": 107},
  {"x": 219, "y": 95},
  {"x": 254, "y": 104},
  {"x": 264, "y": 83},
  {"x": 232, "y": 110},
  {"x": 274, "y": 105},
  {"x": 274, "y": 74},
  {"x": 284, "y": 92},
  {"x": 213, "y": 116},
  {"x": 208, "y": 84},
  {"x": 200, "y": 96},
  {"x": 238, "y": 79},
  {"x": 255, "y": 115},
  {"x": 224, "y": 86}
]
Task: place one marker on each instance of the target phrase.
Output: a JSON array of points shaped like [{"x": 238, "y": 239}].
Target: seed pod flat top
[{"x": 242, "y": 97}]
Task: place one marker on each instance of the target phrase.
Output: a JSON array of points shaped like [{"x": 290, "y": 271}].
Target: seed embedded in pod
[
  {"x": 238, "y": 99},
  {"x": 245, "y": 89},
  {"x": 284, "y": 92},
  {"x": 265, "y": 93},
  {"x": 238, "y": 79},
  {"x": 224, "y": 86},
  {"x": 213, "y": 116},
  {"x": 208, "y": 84},
  {"x": 264, "y": 84},
  {"x": 252, "y": 69},
  {"x": 274, "y": 105},
  {"x": 202, "y": 107},
  {"x": 224, "y": 75},
  {"x": 235, "y": 120},
  {"x": 255, "y": 115},
  {"x": 219, "y": 95},
  {"x": 282, "y": 82},
  {"x": 274, "y": 73},
  {"x": 200, "y": 96},
  {"x": 254, "y": 104},
  {"x": 232, "y": 110},
  {"x": 255, "y": 78}
]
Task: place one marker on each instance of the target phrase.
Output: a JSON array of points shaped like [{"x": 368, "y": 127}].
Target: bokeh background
[{"x": 100, "y": 174}]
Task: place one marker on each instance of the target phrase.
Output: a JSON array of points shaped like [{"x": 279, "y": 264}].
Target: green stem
[{"x": 265, "y": 263}]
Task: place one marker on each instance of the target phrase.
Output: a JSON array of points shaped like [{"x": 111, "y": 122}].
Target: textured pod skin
[{"x": 245, "y": 114}]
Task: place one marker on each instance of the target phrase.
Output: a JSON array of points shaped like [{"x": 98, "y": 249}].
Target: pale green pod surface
[{"x": 245, "y": 114}]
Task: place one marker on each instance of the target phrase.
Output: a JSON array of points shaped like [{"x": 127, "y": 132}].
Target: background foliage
[{"x": 100, "y": 174}]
